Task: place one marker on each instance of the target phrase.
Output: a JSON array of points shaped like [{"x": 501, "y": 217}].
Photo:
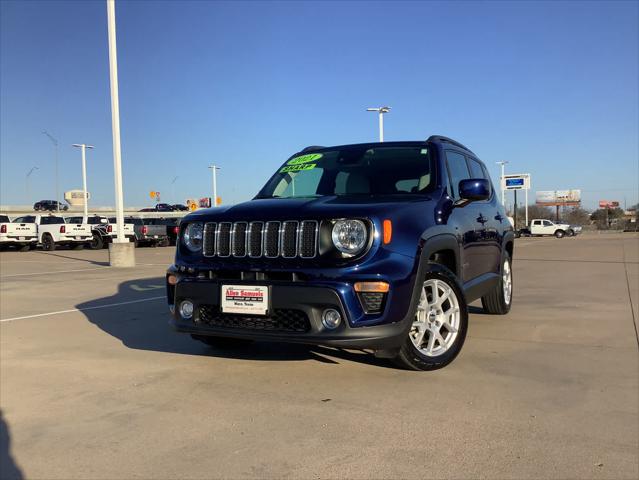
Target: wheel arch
[{"x": 442, "y": 249}]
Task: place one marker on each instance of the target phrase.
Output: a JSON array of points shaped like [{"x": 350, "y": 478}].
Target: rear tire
[
  {"x": 97, "y": 243},
  {"x": 222, "y": 342},
  {"x": 24, "y": 248},
  {"x": 560, "y": 234},
  {"x": 439, "y": 327},
  {"x": 498, "y": 301},
  {"x": 78, "y": 247},
  {"x": 48, "y": 245}
]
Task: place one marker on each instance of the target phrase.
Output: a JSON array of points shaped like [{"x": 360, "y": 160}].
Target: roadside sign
[
  {"x": 608, "y": 204},
  {"x": 152, "y": 194},
  {"x": 519, "y": 181},
  {"x": 218, "y": 201}
]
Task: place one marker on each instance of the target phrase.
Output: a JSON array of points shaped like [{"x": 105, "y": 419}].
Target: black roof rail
[
  {"x": 312, "y": 147},
  {"x": 441, "y": 138}
]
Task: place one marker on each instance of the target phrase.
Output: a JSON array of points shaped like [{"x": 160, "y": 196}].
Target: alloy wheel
[{"x": 437, "y": 320}]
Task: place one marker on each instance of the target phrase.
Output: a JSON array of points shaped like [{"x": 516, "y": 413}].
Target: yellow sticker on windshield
[
  {"x": 311, "y": 157},
  {"x": 298, "y": 168}
]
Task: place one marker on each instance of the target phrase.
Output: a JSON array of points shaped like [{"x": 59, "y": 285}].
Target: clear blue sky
[{"x": 551, "y": 87}]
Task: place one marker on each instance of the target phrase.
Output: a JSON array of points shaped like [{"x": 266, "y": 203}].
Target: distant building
[{"x": 75, "y": 198}]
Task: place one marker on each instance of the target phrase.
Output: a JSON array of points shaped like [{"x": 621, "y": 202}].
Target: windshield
[{"x": 353, "y": 170}]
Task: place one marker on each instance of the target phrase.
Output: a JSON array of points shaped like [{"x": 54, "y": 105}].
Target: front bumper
[{"x": 295, "y": 315}]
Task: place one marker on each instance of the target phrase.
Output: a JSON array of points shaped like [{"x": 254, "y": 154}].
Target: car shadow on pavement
[
  {"x": 9, "y": 470},
  {"x": 140, "y": 320},
  {"x": 93, "y": 262}
]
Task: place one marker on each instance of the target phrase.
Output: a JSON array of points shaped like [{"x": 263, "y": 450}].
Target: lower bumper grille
[{"x": 281, "y": 320}]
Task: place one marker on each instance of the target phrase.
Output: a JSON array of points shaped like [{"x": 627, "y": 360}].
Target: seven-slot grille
[{"x": 289, "y": 239}]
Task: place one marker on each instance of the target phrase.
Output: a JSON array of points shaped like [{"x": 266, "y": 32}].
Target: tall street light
[
  {"x": 501, "y": 182},
  {"x": 381, "y": 111},
  {"x": 84, "y": 147},
  {"x": 121, "y": 252},
  {"x": 33, "y": 169},
  {"x": 57, "y": 192},
  {"x": 214, "y": 169}
]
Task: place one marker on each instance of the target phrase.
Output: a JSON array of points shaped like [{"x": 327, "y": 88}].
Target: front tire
[
  {"x": 48, "y": 245},
  {"x": 439, "y": 327},
  {"x": 571, "y": 233},
  {"x": 498, "y": 301},
  {"x": 560, "y": 234}
]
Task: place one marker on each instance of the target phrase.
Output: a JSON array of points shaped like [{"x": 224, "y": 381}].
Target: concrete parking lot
[{"x": 94, "y": 384}]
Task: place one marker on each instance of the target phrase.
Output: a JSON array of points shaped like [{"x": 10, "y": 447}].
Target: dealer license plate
[
  {"x": 247, "y": 299},
  {"x": 21, "y": 238},
  {"x": 78, "y": 238}
]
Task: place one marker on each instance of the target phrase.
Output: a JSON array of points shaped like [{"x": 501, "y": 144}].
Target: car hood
[{"x": 313, "y": 208}]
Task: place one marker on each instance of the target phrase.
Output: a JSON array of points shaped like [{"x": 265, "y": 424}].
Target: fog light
[
  {"x": 171, "y": 279},
  {"x": 331, "y": 318},
  {"x": 186, "y": 309}
]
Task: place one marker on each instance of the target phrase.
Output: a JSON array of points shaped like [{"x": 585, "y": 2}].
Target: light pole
[
  {"x": 381, "y": 111},
  {"x": 55, "y": 144},
  {"x": 84, "y": 147},
  {"x": 121, "y": 252},
  {"x": 33, "y": 169},
  {"x": 214, "y": 169},
  {"x": 501, "y": 182},
  {"x": 173, "y": 188}
]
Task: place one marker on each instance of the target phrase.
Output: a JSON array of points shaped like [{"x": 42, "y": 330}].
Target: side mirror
[{"x": 473, "y": 190}]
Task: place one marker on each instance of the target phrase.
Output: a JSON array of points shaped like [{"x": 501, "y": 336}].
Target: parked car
[
  {"x": 375, "y": 246},
  {"x": 49, "y": 205},
  {"x": 54, "y": 232},
  {"x": 23, "y": 236},
  {"x": 172, "y": 226},
  {"x": 178, "y": 207},
  {"x": 146, "y": 233},
  {"x": 539, "y": 227},
  {"x": 163, "y": 207}
]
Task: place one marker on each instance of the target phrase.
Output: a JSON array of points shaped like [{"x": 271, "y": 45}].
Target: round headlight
[
  {"x": 349, "y": 236},
  {"x": 193, "y": 236}
]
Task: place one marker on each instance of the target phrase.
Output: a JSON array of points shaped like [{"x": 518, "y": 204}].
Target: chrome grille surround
[
  {"x": 261, "y": 239},
  {"x": 208, "y": 242}
]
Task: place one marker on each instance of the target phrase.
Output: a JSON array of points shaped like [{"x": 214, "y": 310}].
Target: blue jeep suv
[{"x": 376, "y": 246}]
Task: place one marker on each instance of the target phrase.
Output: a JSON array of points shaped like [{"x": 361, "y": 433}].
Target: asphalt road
[{"x": 95, "y": 385}]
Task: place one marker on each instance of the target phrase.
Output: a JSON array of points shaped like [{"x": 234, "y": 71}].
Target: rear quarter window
[{"x": 51, "y": 220}]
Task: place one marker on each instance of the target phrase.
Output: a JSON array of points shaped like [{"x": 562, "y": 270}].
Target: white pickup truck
[
  {"x": 23, "y": 236},
  {"x": 546, "y": 227},
  {"x": 54, "y": 232},
  {"x": 129, "y": 232}
]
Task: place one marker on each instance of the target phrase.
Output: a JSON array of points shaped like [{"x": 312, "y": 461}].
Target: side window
[
  {"x": 457, "y": 170},
  {"x": 547, "y": 223},
  {"x": 475, "y": 169},
  {"x": 537, "y": 222}
]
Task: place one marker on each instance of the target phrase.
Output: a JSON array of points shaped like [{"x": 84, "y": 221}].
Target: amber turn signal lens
[
  {"x": 388, "y": 231},
  {"x": 377, "y": 287},
  {"x": 172, "y": 279}
]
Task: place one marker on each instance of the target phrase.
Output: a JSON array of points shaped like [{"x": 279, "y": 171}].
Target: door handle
[
  {"x": 481, "y": 219},
  {"x": 498, "y": 217}
]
